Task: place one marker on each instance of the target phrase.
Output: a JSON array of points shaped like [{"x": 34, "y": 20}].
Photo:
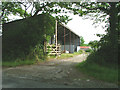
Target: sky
[
  {"x": 85, "y": 28},
  {"x": 82, "y": 27}
]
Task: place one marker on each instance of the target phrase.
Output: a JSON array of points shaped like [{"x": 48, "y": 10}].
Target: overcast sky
[{"x": 84, "y": 28}]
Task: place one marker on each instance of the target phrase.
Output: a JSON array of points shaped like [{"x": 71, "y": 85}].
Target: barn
[{"x": 68, "y": 39}]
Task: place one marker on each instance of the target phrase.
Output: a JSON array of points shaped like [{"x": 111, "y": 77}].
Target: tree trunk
[{"x": 112, "y": 31}]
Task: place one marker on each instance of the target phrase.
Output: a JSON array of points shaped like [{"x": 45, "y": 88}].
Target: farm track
[{"x": 56, "y": 73}]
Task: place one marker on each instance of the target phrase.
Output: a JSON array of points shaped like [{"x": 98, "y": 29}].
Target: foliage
[
  {"x": 82, "y": 41},
  {"x": 88, "y": 50},
  {"x": 103, "y": 63},
  {"x": 63, "y": 18},
  {"x": 108, "y": 45},
  {"x": 11, "y": 8},
  {"x": 27, "y": 41},
  {"x": 29, "y": 9},
  {"x": 97, "y": 10},
  {"x": 103, "y": 56},
  {"x": 17, "y": 63},
  {"x": 81, "y": 51},
  {"x": 94, "y": 45},
  {"x": 108, "y": 42},
  {"x": 24, "y": 39},
  {"x": 85, "y": 44},
  {"x": 99, "y": 72}
]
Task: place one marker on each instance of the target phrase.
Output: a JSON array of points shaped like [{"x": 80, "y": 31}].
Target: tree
[
  {"x": 27, "y": 41},
  {"x": 23, "y": 9},
  {"x": 94, "y": 45},
  {"x": 82, "y": 41},
  {"x": 13, "y": 8},
  {"x": 23, "y": 39},
  {"x": 102, "y": 9},
  {"x": 109, "y": 42},
  {"x": 112, "y": 9}
]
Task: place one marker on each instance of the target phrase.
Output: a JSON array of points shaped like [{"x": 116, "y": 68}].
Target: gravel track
[{"x": 56, "y": 73}]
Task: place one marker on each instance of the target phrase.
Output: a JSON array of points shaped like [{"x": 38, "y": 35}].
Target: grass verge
[
  {"x": 66, "y": 55},
  {"x": 99, "y": 72},
  {"x": 17, "y": 63},
  {"x": 29, "y": 62}
]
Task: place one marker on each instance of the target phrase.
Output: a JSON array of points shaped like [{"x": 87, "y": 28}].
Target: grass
[
  {"x": 29, "y": 62},
  {"x": 99, "y": 72},
  {"x": 62, "y": 56},
  {"x": 67, "y": 55},
  {"x": 17, "y": 63}
]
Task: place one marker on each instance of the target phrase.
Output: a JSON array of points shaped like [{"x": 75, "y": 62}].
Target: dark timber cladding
[{"x": 67, "y": 38}]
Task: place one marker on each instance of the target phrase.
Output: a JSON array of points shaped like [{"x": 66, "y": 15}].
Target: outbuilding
[{"x": 67, "y": 38}]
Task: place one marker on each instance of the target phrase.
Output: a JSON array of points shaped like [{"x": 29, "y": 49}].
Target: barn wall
[
  {"x": 70, "y": 45},
  {"x": 67, "y": 48},
  {"x": 75, "y": 41}
]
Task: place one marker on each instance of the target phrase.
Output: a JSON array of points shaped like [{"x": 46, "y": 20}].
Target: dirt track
[{"x": 52, "y": 74}]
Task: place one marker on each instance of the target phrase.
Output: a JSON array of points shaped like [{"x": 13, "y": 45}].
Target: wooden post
[
  {"x": 52, "y": 40},
  {"x": 45, "y": 44},
  {"x": 56, "y": 37},
  {"x": 64, "y": 39},
  {"x": 70, "y": 42},
  {"x": 79, "y": 41},
  {"x": 74, "y": 41}
]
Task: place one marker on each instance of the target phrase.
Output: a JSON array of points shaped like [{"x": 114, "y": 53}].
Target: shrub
[
  {"x": 81, "y": 51},
  {"x": 88, "y": 50},
  {"x": 24, "y": 38},
  {"x": 99, "y": 72}
]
